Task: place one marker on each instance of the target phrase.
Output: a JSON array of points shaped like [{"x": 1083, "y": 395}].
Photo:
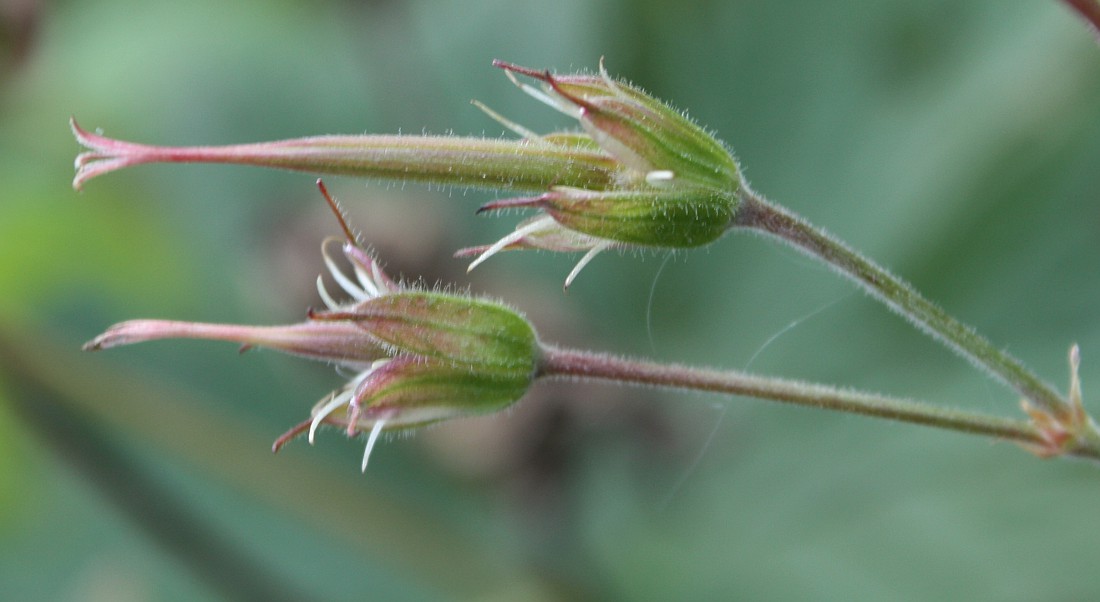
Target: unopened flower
[
  {"x": 640, "y": 174},
  {"x": 677, "y": 187},
  {"x": 419, "y": 356},
  {"x": 1064, "y": 428}
]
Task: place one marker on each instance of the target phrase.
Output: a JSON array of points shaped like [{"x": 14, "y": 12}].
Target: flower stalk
[
  {"x": 760, "y": 215},
  {"x": 560, "y": 363},
  {"x": 1062, "y": 422}
]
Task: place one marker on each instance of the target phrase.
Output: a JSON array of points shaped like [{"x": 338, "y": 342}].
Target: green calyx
[
  {"x": 678, "y": 186},
  {"x": 651, "y": 217},
  {"x": 475, "y": 335}
]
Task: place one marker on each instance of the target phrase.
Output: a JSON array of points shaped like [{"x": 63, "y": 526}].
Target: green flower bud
[
  {"x": 678, "y": 187},
  {"x": 420, "y": 393},
  {"x": 639, "y": 174},
  {"x": 474, "y": 334},
  {"x": 420, "y": 356},
  {"x": 640, "y": 131},
  {"x": 643, "y": 217}
]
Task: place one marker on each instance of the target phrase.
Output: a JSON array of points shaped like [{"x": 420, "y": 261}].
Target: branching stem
[{"x": 758, "y": 214}]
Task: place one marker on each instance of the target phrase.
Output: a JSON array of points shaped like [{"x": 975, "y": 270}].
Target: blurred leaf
[
  {"x": 15, "y": 467},
  {"x": 74, "y": 250}
]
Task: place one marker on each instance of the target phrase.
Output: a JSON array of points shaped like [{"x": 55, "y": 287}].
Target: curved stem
[
  {"x": 571, "y": 363},
  {"x": 759, "y": 214},
  {"x": 1089, "y": 10}
]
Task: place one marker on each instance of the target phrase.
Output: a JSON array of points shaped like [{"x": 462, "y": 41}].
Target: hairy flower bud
[
  {"x": 643, "y": 217},
  {"x": 642, "y": 132},
  {"x": 420, "y": 356},
  {"x": 470, "y": 333},
  {"x": 678, "y": 187},
  {"x": 639, "y": 174}
]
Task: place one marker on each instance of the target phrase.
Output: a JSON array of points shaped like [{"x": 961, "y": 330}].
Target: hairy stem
[
  {"x": 758, "y": 214},
  {"x": 521, "y": 165},
  {"x": 570, "y": 363}
]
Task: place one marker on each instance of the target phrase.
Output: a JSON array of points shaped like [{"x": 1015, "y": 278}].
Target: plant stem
[
  {"x": 759, "y": 214},
  {"x": 1089, "y": 10},
  {"x": 571, "y": 363}
]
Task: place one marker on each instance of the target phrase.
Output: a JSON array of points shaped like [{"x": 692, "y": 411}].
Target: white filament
[
  {"x": 550, "y": 98},
  {"x": 589, "y": 256},
  {"x": 508, "y": 123},
  {"x": 343, "y": 397},
  {"x": 345, "y": 283},
  {"x": 327, "y": 298},
  {"x": 374, "y": 431},
  {"x": 543, "y": 223},
  {"x": 328, "y": 408}
]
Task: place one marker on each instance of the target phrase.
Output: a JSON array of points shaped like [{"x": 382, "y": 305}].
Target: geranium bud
[
  {"x": 678, "y": 187},
  {"x": 642, "y": 132},
  {"x": 419, "y": 356},
  {"x": 640, "y": 174},
  {"x": 460, "y": 330}
]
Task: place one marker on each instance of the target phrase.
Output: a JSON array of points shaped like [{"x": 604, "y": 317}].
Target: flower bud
[
  {"x": 678, "y": 187},
  {"x": 420, "y": 356},
  {"x": 637, "y": 129},
  {"x": 643, "y": 217},
  {"x": 420, "y": 393},
  {"x": 471, "y": 333},
  {"x": 1067, "y": 427},
  {"x": 639, "y": 174}
]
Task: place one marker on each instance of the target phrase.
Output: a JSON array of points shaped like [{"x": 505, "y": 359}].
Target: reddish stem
[{"x": 1089, "y": 10}]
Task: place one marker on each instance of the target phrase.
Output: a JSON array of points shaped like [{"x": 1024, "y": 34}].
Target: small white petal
[
  {"x": 327, "y": 298},
  {"x": 375, "y": 430},
  {"x": 543, "y": 223},
  {"x": 507, "y": 123},
  {"x": 589, "y": 256},
  {"x": 379, "y": 279},
  {"x": 367, "y": 283},
  {"x": 551, "y": 99},
  {"x": 328, "y": 408},
  {"x": 349, "y": 287}
]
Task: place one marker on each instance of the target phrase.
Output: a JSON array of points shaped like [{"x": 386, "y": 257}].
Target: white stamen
[
  {"x": 349, "y": 287},
  {"x": 327, "y": 298},
  {"x": 589, "y": 256},
  {"x": 328, "y": 408},
  {"x": 374, "y": 431},
  {"x": 543, "y": 223},
  {"x": 380, "y": 278},
  {"x": 366, "y": 282},
  {"x": 553, "y": 101},
  {"x": 507, "y": 123},
  {"x": 342, "y": 397}
]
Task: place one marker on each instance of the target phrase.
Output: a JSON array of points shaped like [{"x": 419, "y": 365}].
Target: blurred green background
[{"x": 955, "y": 142}]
